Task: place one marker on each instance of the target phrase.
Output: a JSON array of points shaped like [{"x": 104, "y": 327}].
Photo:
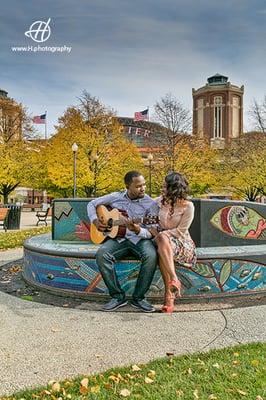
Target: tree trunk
[{"x": 6, "y": 189}]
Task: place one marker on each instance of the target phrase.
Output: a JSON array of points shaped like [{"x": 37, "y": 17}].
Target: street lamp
[
  {"x": 94, "y": 159},
  {"x": 74, "y": 150},
  {"x": 150, "y": 158}
]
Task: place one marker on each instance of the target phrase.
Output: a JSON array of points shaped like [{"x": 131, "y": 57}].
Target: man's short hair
[{"x": 128, "y": 178}]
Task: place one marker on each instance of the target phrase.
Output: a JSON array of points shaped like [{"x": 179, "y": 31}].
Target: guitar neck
[{"x": 120, "y": 222}]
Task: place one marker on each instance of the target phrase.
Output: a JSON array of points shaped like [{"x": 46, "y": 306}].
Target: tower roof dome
[{"x": 217, "y": 79}]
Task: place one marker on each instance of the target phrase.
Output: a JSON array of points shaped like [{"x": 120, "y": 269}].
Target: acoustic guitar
[{"x": 114, "y": 220}]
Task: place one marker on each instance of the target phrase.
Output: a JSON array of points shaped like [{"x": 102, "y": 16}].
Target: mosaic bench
[{"x": 231, "y": 250}]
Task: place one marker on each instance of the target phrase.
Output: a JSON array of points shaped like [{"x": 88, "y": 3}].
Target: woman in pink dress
[{"x": 175, "y": 246}]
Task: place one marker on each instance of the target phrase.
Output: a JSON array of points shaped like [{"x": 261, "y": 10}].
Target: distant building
[
  {"x": 146, "y": 135},
  {"x": 3, "y": 93},
  {"x": 218, "y": 111}
]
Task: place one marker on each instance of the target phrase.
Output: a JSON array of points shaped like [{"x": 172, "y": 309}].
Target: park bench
[
  {"x": 43, "y": 215},
  {"x": 3, "y": 217}
]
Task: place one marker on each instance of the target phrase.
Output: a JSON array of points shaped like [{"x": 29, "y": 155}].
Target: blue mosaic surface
[{"x": 73, "y": 268}]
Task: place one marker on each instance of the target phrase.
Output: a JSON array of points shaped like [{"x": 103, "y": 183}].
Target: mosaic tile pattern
[{"x": 73, "y": 267}]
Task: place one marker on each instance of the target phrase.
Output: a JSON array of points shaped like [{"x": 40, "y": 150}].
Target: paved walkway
[{"x": 28, "y": 220}]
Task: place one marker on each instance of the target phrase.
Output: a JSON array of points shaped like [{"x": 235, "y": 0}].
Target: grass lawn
[
  {"x": 232, "y": 373},
  {"x": 10, "y": 240}
]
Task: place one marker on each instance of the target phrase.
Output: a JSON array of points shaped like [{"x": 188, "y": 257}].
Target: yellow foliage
[{"x": 103, "y": 155}]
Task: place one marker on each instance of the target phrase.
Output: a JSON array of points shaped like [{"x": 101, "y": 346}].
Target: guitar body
[
  {"x": 112, "y": 218},
  {"x": 105, "y": 216}
]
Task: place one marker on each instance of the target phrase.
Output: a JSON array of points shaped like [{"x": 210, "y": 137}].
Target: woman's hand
[
  {"x": 153, "y": 231},
  {"x": 160, "y": 234}
]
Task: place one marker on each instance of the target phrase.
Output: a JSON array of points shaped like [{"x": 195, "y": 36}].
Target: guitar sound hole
[{"x": 109, "y": 224}]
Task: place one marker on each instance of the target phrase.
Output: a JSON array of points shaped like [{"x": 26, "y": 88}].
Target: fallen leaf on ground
[
  {"x": 236, "y": 354},
  {"x": 179, "y": 393},
  {"x": 114, "y": 378},
  {"x": 46, "y": 392},
  {"x": 84, "y": 382},
  {"x": 107, "y": 386},
  {"x": 189, "y": 371},
  {"x": 212, "y": 397},
  {"x": 125, "y": 392},
  {"x": 151, "y": 374},
  {"x": 83, "y": 390},
  {"x": 216, "y": 365},
  {"x": 135, "y": 368},
  {"x": 15, "y": 269},
  {"x": 56, "y": 387},
  {"x": 130, "y": 376},
  {"x": 241, "y": 392},
  {"x": 196, "y": 394},
  {"x": 148, "y": 380},
  {"x": 259, "y": 398}
]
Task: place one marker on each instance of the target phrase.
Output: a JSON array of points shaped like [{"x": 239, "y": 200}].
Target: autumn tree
[
  {"x": 243, "y": 166},
  {"x": 194, "y": 158},
  {"x": 103, "y": 155},
  {"x": 15, "y": 130}
]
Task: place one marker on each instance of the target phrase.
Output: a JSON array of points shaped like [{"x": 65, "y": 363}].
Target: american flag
[
  {"x": 39, "y": 119},
  {"x": 141, "y": 115}
]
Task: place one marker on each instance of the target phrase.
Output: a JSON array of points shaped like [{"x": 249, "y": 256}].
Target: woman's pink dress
[{"x": 175, "y": 225}]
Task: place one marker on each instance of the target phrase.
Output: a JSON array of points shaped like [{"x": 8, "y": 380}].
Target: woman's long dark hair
[{"x": 177, "y": 189}]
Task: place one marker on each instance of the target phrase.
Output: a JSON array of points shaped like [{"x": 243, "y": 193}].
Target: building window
[
  {"x": 217, "y": 132},
  {"x": 200, "y": 117},
  {"x": 236, "y": 117}
]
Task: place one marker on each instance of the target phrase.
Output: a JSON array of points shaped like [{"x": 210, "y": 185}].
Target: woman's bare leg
[
  {"x": 166, "y": 279},
  {"x": 166, "y": 258}
]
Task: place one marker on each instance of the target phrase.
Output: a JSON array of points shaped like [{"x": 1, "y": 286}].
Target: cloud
[{"x": 131, "y": 53}]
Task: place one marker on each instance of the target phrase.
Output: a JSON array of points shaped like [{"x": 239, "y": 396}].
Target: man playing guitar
[{"x": 136, "y": 241}]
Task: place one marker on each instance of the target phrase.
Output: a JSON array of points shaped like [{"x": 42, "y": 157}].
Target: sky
[{"x": 130, "y": 53}]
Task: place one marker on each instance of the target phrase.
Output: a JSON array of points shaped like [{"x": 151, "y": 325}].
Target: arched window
[{"x": 217, "y": 131}]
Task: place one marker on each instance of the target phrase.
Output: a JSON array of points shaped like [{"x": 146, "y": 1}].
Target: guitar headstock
[{"x": 151, "y": 219}]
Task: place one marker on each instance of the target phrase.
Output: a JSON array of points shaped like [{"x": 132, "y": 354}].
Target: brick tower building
[{"x": 218, "y": 111}]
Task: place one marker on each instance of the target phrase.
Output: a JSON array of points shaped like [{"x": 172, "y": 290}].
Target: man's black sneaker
[
  {"x": 114, "y": 304},
  {"x": 142, "y": 305}
]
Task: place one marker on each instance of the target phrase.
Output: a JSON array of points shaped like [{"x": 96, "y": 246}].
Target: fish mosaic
[
  {"x": 206, "y": 278},
  {"x": 240, "y": 221}
]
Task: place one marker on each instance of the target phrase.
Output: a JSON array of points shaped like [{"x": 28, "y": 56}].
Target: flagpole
[{"x": 45, "y": 134}]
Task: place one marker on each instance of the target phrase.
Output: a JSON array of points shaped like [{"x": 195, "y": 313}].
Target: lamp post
[
  {"x": 150, "y": 158},
  {"x": 94, "y": 159},
  {"x": 74, "y": 150}
]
